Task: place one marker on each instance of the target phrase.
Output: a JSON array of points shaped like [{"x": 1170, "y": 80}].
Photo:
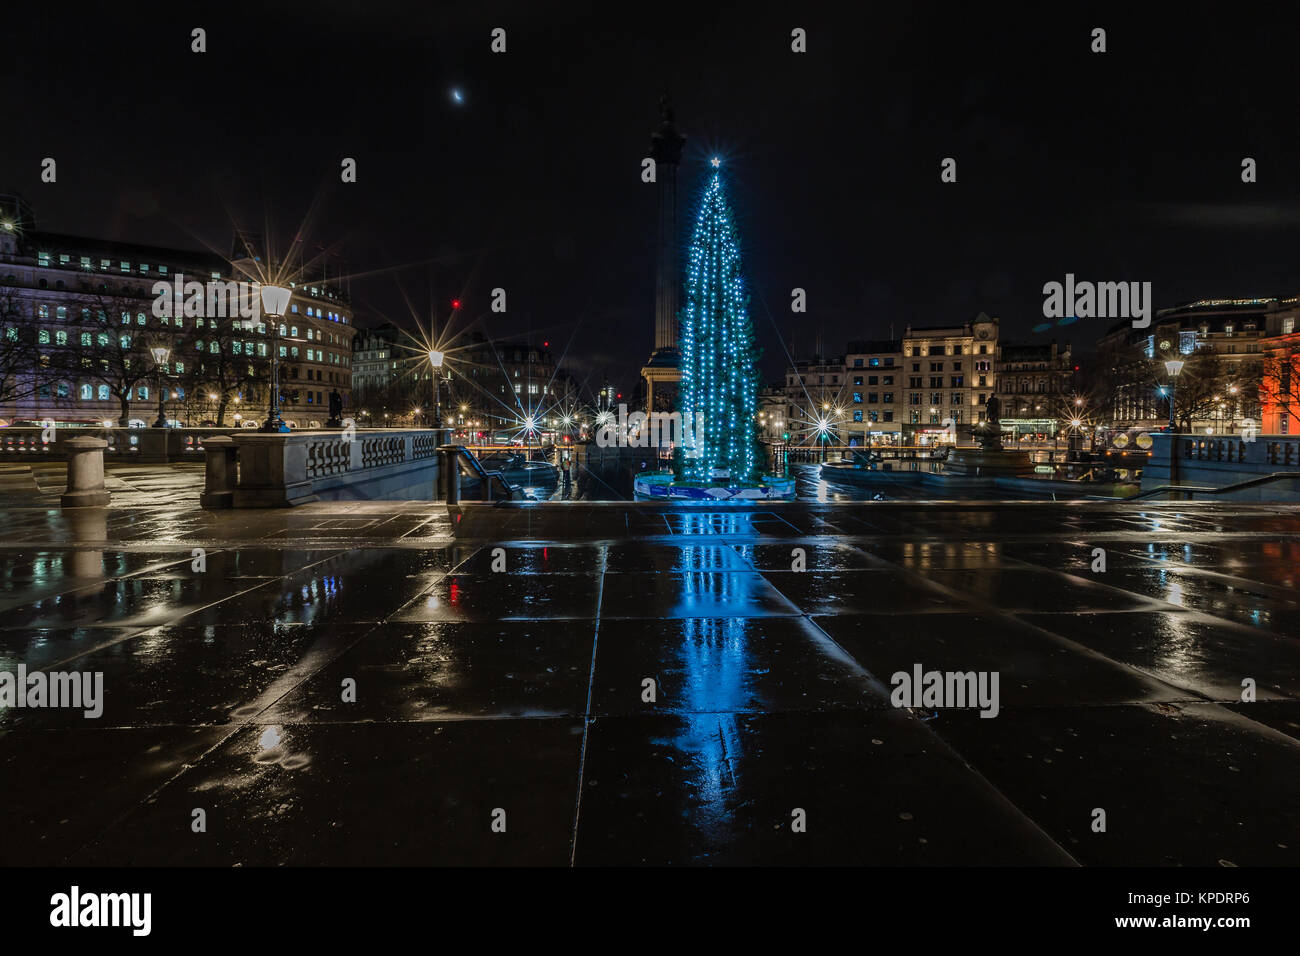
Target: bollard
[
  {"x": 220, "y": 460},
  {"x": 85, "y": 473},
  {"x": 449, "y": 472}
]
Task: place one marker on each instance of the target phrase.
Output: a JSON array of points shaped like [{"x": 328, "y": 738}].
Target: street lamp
[
  {"x": 1173, "y": 367},
  {"x": 160, "y": 355},
  {"x": 275, "y": 302},
  {"x": 435, "y": 362}
]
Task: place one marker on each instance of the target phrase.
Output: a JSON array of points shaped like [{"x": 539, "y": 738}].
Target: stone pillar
[
  {"x": 221, "y": 457},
  {"x": 449, "y": 467},
  {"x": 85, "y": 473}
]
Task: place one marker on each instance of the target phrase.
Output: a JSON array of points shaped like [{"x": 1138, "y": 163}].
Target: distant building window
[
  {"x": 103, "y": 393},
  {"x": 875, "y": 363},
  {"x": 857, "y": 363},
  {"x": 1288, "y": 326},
  {"x": 126, "y": 267},
  {"x": 857, "y": 415}
]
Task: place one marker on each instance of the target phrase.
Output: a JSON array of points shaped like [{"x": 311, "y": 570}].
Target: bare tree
[
  {"x": 108, "y": 344},
  {"x": 25, "y": 368},
  {"x": 224, "y": 358}
]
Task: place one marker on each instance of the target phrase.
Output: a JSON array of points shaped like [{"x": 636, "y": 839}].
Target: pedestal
[{"x": 85, "y": 473}]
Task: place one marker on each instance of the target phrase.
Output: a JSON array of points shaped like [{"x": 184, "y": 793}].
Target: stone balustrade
[
  {"x": 277, "y": 470},
  {"x": 145, "y": 445},
  {"x": 1215, "y": 461}
]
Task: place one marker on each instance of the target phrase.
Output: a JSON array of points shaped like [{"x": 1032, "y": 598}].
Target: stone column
[
  {"x": 221, "y": 457},
  {"x": 85, "y": 473},
  {"x": 449, "y": 467}
]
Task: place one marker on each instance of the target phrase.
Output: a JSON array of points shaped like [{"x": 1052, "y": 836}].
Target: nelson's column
[{"x": 662, "y": 371}]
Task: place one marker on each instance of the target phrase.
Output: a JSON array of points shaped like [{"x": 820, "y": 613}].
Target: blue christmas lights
[{"x": 719, "y": 377}]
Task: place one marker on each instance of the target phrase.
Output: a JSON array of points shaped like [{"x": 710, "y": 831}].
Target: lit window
[
  {"x": 103, "y": 393},
  {"x": 126, "y": 267}
]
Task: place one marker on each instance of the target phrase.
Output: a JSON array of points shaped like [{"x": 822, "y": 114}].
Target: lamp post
[
  {"x": 435, "y": 364},
  {"x": 160, "y": 355},
  {"x": 1173, "y": 367},
  {"x": 275, "y": 302}
]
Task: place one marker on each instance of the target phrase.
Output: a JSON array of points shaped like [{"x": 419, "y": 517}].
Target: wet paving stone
[
  {"x": 632, "y": 558},
  {"x": 812, "y": 556},
  {"x": 1016, "y": 590},
  {"x": 1181, "y": 785},
  {"x": 725, "y": 665},
  {"x": 691, "y": 595},
  {"x": 1186, "y": 650},
  {"x": 227, "y": 684},
  {"x": 513, "y": 557},
  {"x": 178, "y": 674},
  {"x": 436, "y": 671},
  {"x": 1033, "y": 669},
  {"x": 62, "y": 788},
  {"x": 863, "y": 592},
  {"x": 722, "y": 788},
  {"x": 505, "y": 597},
  {"x": 364, "y": 795}
]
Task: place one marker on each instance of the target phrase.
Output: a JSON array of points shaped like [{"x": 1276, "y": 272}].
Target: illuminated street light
[
  {"x": 160, "y": 355},
  {"x": 1173, "y": 367},
  {"x": 275, "y": 303}
]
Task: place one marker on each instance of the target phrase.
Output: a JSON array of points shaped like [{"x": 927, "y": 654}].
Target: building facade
[
  {"x": 88, "y": 309},
  {"x": 1036, "y": 389},
  {"x": 950, "y": 375},
  {"x": 1224, "y": 345}
]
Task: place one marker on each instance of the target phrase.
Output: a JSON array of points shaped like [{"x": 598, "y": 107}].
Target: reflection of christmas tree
[{"x": 717, "y": 344}]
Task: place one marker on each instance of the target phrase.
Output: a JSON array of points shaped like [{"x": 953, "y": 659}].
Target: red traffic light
[{"x": 455, "y": 303}]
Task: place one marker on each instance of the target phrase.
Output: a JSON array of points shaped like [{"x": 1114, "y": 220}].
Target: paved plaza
[{"x": 506, "y": 690}]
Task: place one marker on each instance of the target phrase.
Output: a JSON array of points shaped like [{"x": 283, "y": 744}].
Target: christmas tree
[{"x": 717, "y": 345}]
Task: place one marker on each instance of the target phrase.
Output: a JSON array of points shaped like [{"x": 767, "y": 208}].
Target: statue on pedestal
[{"x": 989, "y": 433}]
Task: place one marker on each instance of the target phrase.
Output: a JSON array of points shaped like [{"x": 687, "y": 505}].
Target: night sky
[{"x": 1119, "y": 166}]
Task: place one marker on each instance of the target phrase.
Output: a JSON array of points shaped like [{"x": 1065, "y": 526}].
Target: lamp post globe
[
  {"x": 275, "y": 303},
  {"x": 160, "y": 355}
]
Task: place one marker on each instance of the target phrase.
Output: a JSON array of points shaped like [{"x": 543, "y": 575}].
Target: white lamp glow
[{"x": 275, "y": 300}]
